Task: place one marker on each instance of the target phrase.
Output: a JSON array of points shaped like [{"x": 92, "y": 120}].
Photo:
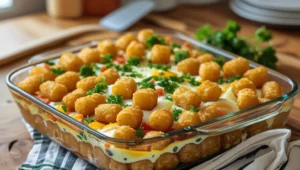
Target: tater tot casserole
[{"x": 147, "y": 86}]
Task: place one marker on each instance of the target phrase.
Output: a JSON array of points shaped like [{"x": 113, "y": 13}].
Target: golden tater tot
[
  {"x": 53, "y": 91},
  {"x": 210, "y": 145},
  {"x": 111, "y": 76},
  {"x": 166, "y": 161},
  {"x": 160, "y": 54},
  {"x": 146, "y": 99},
  {"x": 190, "y": 97},
  {"x": 160, "y": 145},
  {"x": 280, "y": 120},
  {"x": 87, "y": 83},
  {"x": 135, "y": 49},
  {"x": 124, "y": 41},
  {"x": 209, "y": 91},
  {"x": 231, "y": 138},
  {"x": 69, "y": 79},
  {"x": 205, "y": 58},
  {"x": 258, "y": 76},
  {"x": 210, "y": 71},
  {"x": 107, "y": 113},
  {"x": 256, "y": 128},
  {"x": 189, "y": 153},
  {"x": 70, "y": 99},
  {"x": 141, "y": 165},
  {"x": 237, "y": 66},
  {"x": 271, "y": 90},
  {"x": 125, "y": 132},
  {"x": 242, "y": 84},
  {"x": 70, "y": 62},
  {"x": 247, "y": 98},
  {"x": 188, "y": 118},
  {"x": 47, "y": 74},
  {"x": 31, "y": 84},
  {"x": 208, "y": 113},
  {"x": 107, "y": 47},
  {"x": 115, "y": 165},
  {"x": 189, "y": 66},
  {"x": 124, "y": 86},
  {"x": 144, "y": 34},
  {"x": 131, "y": 116},
  {"x": 86, "y": 105},
  {"x": 89, "y": 55},
  {"x": 161, "y": 120}
]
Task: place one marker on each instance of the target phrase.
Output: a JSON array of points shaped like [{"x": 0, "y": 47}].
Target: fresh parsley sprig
[
  {"x": 99, "y": 88},
  {"x": 57, "y": 71},
  {"x": 180, "y": 55},
  {"x": 134, "y": 61},
  {"x": 117, "y": 99},
  {"x": 176, "y": 113},
  {"x": 155, "y": 39},
  {"x": 229, "y": 79},
  {"x": 86, "y": 71}
]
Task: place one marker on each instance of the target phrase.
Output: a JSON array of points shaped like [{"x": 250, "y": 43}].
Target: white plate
[{"x": 283, "y": 5}]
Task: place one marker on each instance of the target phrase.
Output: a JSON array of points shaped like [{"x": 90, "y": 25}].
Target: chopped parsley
[
  {"x": 180, "y": 55},
  {"x": 168, "y": 85},
  {"x": 174, "y": 45},
  {"x": 86, "y": 71},
  {"x": 229, "y": 79},
  {"x": 50, "y": 63},
  {"x": 159, "y": 66},
  {"x": 176, "y": 113},
  {"x": 99, "y": 88},
  {"x": 145, "y": 85},
  {"x": 192, "y": 80},
  {"x": 168, "y": 97},
  {"x": 57, "y": 71},
  {"x": 134, "y": 61},
  {"x": 155, "y": 39},
  {"x": 43, "y": 80},
  {"x": 88, "y": 120},
  {"x": 193, "y": 109},
  {"x": 117, "y": 99},
  {"x": 95, "y": 67},
  {"x": 220, "y": 61},
  {"x": 64, "y": 108},
  {"x": 139, "y": 132},
  {"x": 123, "y": 68},
  {"x": 108, "y": 58},
  {"x": 132, "y": 74}
]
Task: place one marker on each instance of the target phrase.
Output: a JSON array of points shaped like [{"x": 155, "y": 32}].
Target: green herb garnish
[
  {"x": 117, "y": 99},
  {"x": 180, "y": 55},
  {"x": 193, "y": 109},
  {"x": 43, "y": 80},
  {"x": 95, "y": 67},
  {"x": 145, "y": 85},
  {"x": 134, "y": 61},
  {"x": 50, "y": 63},
  {"x": 174, "y": 45},
  {"x": 155, "y": 39},
  {"x": 263, "y": 35},
  {"x": 132, "y": 74},
  {"x": 88, "y": 120},
  {"x": 229, "y": 79},
  {"x": 108, "y": 58},
  {"x": 176, "y": 113},
  {"x": 168, "y": 85},
  {"x": 86, "y": 71},
  {"x": 57, "y": 71},
  {"x": 139, "y": 132},
  {"x": 192, "y": 80},
  {"x": 99, "y": 88},
  {"x": 220, "y": 61},
  {"x": 64, "y": 108},
  {"x": 168, "y": 97},
  {"x": 159, "y": 66}
]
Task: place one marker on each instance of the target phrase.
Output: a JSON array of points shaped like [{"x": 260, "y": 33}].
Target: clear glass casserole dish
[{"x": 177, "y": 149}]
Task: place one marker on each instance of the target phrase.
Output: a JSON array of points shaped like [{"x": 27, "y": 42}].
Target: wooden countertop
[{"x": 15, "y": 142}]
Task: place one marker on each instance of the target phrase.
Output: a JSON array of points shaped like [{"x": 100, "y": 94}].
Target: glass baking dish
[{"x": 178, "y": 149}]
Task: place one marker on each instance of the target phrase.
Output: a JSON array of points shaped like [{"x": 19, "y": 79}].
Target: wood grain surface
[{"x": 15, "y": 142}]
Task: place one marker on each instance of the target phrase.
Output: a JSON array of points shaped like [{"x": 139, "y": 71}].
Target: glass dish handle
[{"x": 241, "y": 120}]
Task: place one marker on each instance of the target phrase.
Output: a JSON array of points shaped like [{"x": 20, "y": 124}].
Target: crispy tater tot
[
  {"x": 89, "y": 55},
  {"x": 31, "y": 84},
  {"x": 210, "y": 71},
  {"x": 188, "y": 118},
  {"x": 70, "y": 99},
  {"x": 47, "y": 74},
  {"x": 124, "y": 41},
  {"x": 190, "y": 97},
  {"x": 189, "y": 66},
  {"x": 237, "y": 66},
  {"x": 107, "y": 47},
  {"x": 256, "y": 128},
  {"x": 141, "y": 165},
  {"x": 209, "y": 91},
  {"x": 115, "y": 165},
  {"x": 242, "y": 84},
  {"x": 258, "y": 76},
  {"x": 124, "y": 86},
  {"x": 146, "y": 99},
  {"x": 87, "y": 83},
  {"x": 144, "y": 34},
  {"x": 131, "y": 116},
  {"x": 205, "y": 58},
  {"x": 107, "y": 113},
  {"x": 166, "y": 161},
  {"x": 135, "y": 49},
  {"x": 125, "y": 132},
  {"x": 111, "y": 76},
  {"x": 161, "y": 120},
  {"x": 208, "y": 113},
  {"x": 86, "y": 105},
  {"x": 160, "y": 54},
  {"x": 271, "y": 90},
  {"x": 69, "y": 79},
  {"x": 189, "y": 153},
  {"x": 247, "y": 98},
  {"x": 160, "y": 145},
  {"x": 53, "y": 91},
  {"x": 231, "y": 138},
  {"x": 70, "y": 62},
  {"x": 210, "y": 145}
]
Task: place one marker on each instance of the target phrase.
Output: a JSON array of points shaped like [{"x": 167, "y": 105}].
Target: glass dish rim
[{"x": 135, "y": 142}]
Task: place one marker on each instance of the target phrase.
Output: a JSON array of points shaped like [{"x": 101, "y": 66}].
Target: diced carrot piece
[
  {"x": 160, "y": 91},
  {"x": 186, "y": 44},
  {"x": 168, "y": 40},
  {"x": 120, "y": 59},
  {"x": 146, "y": 126},
  {"x": 152, "y": 81},
  {"x": 223, "y": 113},
  {"x": 46, "y": 66},
  {"x": 107, "y": 145},
  {"x": 78, "y": 117},
  {"x": 103, "y": 68}
]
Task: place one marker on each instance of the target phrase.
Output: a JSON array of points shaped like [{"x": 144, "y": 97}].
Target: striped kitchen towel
[{"x": 269, "y": 150}]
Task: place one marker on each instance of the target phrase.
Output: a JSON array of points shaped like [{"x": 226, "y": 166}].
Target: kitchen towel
[{"x": 268, "y": 150}]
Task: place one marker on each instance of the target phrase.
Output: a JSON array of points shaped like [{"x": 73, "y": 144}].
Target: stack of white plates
[{"x": 273, "y": 12}]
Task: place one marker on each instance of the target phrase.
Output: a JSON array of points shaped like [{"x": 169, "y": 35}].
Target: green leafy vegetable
[
  {"x": 229, "y": 79},
  {"x": 174, "y": 45},
  {"x": 117, "y": 99},
  {"x": 139, "y": 132},
  {"x": 87, "y": 120},
  {"x": 193, "y": 109},
  {"x": 192, "y": 80},
  {"x": 168, "y": 97},
  {"x": 86, "y": 71},
  {"x": 263, "y": 35},
  {"x": 132, "y": 74},
  {"x": 123, "y": 68},
  {"x": 99, "y": 88},
  {"x": 176, "y": 113},
  {"x": 57, "y": 71},
  {"x": 155, "y": 39},
  {"x": 64, "y": 108},
  {"x": 134, "y": 61},
  {"x": 159, "y": 66},
  {"x": 220, "y": 61},
  {"x": 50, "y": 63},
  {"x": 108, "y": 58},
  {"x": 168, "y": 85},
  {"x": 180, "y": 55},
  {"x": 146, "y": 84},
  {"x": 95, "y": 67}
]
